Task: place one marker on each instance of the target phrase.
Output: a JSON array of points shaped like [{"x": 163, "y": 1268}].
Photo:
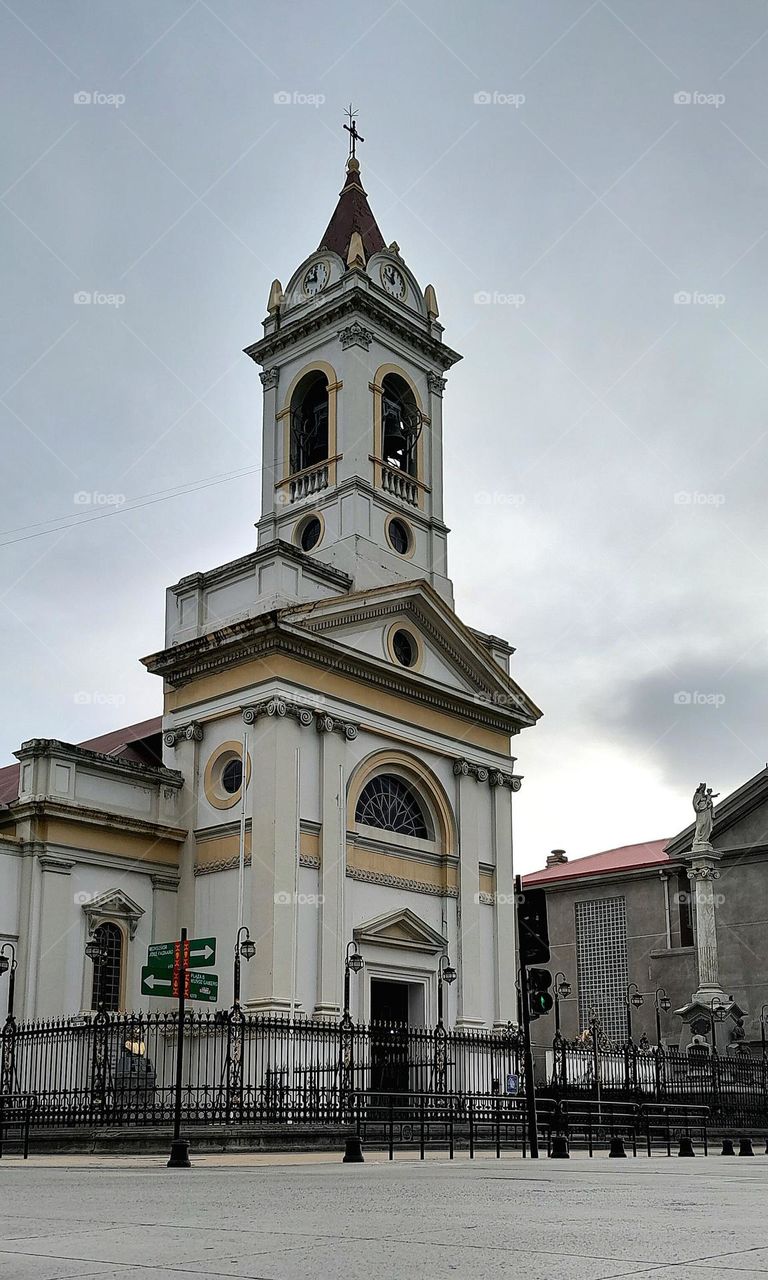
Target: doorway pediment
[{"x": 404, "y": 929}]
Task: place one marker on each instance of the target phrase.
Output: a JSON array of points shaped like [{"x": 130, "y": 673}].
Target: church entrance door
[{"x": 389, "y": 1036}]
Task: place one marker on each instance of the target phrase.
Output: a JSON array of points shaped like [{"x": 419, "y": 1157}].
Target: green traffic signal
[{"x": 539, "y": 999}]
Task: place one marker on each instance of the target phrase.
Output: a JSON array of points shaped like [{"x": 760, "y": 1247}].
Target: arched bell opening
[
  {"x": 401, "y": 422},
  {"x": 309, "y": 422}
]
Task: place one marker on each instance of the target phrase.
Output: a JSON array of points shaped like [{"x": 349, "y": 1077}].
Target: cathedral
[{"x": 332, "y": 773}]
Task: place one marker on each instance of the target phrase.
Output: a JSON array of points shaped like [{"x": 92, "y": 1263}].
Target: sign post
[{"x": 180, "y": 1146}]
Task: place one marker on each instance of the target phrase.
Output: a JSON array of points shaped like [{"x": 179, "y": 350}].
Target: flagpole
[{"x": 241, "y": 862}]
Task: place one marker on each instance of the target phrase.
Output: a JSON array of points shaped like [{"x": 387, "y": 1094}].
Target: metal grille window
[
  {"x": 389, "y": 803},
  {"x": 601, "y": 964},
  {"x": 107, "y": 972}
]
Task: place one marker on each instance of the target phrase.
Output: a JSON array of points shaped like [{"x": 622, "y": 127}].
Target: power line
[{"x": 60, "y": 523}]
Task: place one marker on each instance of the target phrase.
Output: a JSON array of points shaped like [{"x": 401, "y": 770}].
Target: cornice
[
  {"x": 43, "y": 807},
  {"x": 235, "y": 568},
  {"x": 36, "y": 747},
  {"x": 338, "y": 311},
  {"x": 306, "y": 715},
  {"x": 254, "y": 638}
]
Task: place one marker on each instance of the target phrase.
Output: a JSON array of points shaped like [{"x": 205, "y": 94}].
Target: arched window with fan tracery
[{"x": 390, "y": 804}]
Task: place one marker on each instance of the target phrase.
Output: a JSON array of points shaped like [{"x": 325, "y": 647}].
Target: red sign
[{"x": 176, "y": 982}]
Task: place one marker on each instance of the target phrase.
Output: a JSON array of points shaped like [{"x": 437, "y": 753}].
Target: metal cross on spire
[{"x": 351, "y": 129}]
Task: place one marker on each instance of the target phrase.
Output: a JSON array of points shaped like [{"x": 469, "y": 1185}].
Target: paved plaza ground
[{"x": 302, "y": 1217}]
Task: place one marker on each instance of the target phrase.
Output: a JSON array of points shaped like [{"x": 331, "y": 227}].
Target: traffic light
[
  {"x": 532, "y": 927},
  {"x": 539, "y": 999}
]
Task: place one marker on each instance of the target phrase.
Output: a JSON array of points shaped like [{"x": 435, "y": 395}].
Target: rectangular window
[{"x": 601, "y": 964}]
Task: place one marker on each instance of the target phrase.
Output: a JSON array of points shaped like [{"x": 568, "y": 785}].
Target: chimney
[{"x": 556, "y": 857}]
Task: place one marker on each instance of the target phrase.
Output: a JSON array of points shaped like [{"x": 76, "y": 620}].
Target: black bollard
[
  {"x": 559, "y": 1148},
  {"x": 745, "y": 1147},
  {"x": 353, "y": 1153},
  {"x": 727, "y": 1147},
  {"x": 179, "y": 1155},
  {"x": 686, "y": 1146},
  {"x": 617, "y": 1149}
]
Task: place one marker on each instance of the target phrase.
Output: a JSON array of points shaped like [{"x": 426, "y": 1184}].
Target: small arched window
[
  {"x": 387, "y": 802},
  {"x": 400, "y": 424},
  {"x": 107, "y": 973},
  {"x": 309, "y": 422}
]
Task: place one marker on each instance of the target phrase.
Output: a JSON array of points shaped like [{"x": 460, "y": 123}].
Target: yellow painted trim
[
  {"x": 487, "y": 881},
  {"x": 123, "y": 844},
  {"x": 404, "y": 624},
  {"x": 334, "y": 386},
  {"x": 402, "y": 762},
  {"x": 215, "y": 795},
  {"x": 438, "y": 874},
  {"x": 377, "y": 387},
  {"x": 246, "y": 676}
]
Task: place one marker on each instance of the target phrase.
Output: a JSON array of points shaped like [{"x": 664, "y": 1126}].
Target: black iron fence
[
  {"x": 239, "y": 1069},
  {"x": 732, "y": 1086}
]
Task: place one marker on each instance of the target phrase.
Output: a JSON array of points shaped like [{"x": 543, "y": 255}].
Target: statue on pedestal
[{"x": 703, "y": 807}]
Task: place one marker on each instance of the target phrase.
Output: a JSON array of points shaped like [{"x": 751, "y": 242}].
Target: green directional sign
[
  {"x": 160, "y": 955},
  {"x": 154, "y": 983},
  {"x": 202, "y": 953},
  {"x": 203, "y": 986}
]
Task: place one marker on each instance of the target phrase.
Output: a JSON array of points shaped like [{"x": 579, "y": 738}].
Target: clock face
[
  {"x": 393, "y": 280},
  {"x": 315, "y": 279}
]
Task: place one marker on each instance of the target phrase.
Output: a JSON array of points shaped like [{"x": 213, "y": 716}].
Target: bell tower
[{"x": 353, "y": 364}]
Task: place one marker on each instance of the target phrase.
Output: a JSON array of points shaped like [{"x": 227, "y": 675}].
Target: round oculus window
[
  {"x": 399, "y": 536},
  {"x": 232, "y": 776},
  {"x": 310, "y": 533},
  {"x": 404, "y": 648}
]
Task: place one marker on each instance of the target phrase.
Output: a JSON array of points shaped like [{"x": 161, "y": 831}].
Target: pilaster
[
  {"x": 55, "y": 927},
  {"x": 331, "y": 875},
  {"x": 468, "y": 907},
  {"x": 184, "y": 741},
  {"x": 504, "y": 910}
]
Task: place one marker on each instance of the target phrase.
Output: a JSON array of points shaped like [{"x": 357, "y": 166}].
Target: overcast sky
[{"x": 581, "y": 164}]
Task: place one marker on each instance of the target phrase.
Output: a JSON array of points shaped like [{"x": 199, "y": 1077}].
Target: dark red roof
[
  {"x": 628, "y": 857},
  {"x": 352, "y": 213},
  {"x": 119, "y": 742}
]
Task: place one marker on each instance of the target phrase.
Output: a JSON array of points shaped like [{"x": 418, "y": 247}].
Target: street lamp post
[
  {"x": 5, "y": 965},
  {"x": 717, "y": 1012},
  {"x": 562, "y": 990},
  {"x": 661, "y": 1002},
  {"x": 445, "y": 973},
  {"x": 353, "y": 963},
  {"x": 247, "y": 949},
  {"x": 96, "y": 950},
  {"x": 762, "y": 1030},
  {"x": 632, "y": 1000}
]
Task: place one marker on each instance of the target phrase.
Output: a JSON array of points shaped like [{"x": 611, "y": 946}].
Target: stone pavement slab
[{"x": 283, "y": 1218}]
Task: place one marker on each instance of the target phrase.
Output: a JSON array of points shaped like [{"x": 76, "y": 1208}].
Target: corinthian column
[{"x": 702, "y": 873}]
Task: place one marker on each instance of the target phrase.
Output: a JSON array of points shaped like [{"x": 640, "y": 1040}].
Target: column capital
[
  {"x": 355, "y": 335},
  {"x": 485, "y": 773},
  {"x": 192, "y": 732},
  {"x": 269, "y": 377},
  {"x": 436, "y": 383}
]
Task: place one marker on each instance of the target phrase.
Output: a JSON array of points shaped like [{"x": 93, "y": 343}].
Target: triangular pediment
[
  {"x": 114, "y": 904},
  {"x": 450, "y": 656},
  {"x": 401, "y": 928}
]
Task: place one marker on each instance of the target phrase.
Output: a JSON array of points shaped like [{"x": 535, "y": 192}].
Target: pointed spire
[{"x": 352, "y": 214}]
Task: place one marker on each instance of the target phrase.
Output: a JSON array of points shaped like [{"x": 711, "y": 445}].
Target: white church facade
[{"x": 376, "y": 803}]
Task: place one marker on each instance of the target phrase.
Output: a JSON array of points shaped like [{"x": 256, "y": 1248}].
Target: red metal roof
[
  {"x": 116, "y": 743},
  {"x": 628, "y": 857},
  {"x": 352, "y": 213}
]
